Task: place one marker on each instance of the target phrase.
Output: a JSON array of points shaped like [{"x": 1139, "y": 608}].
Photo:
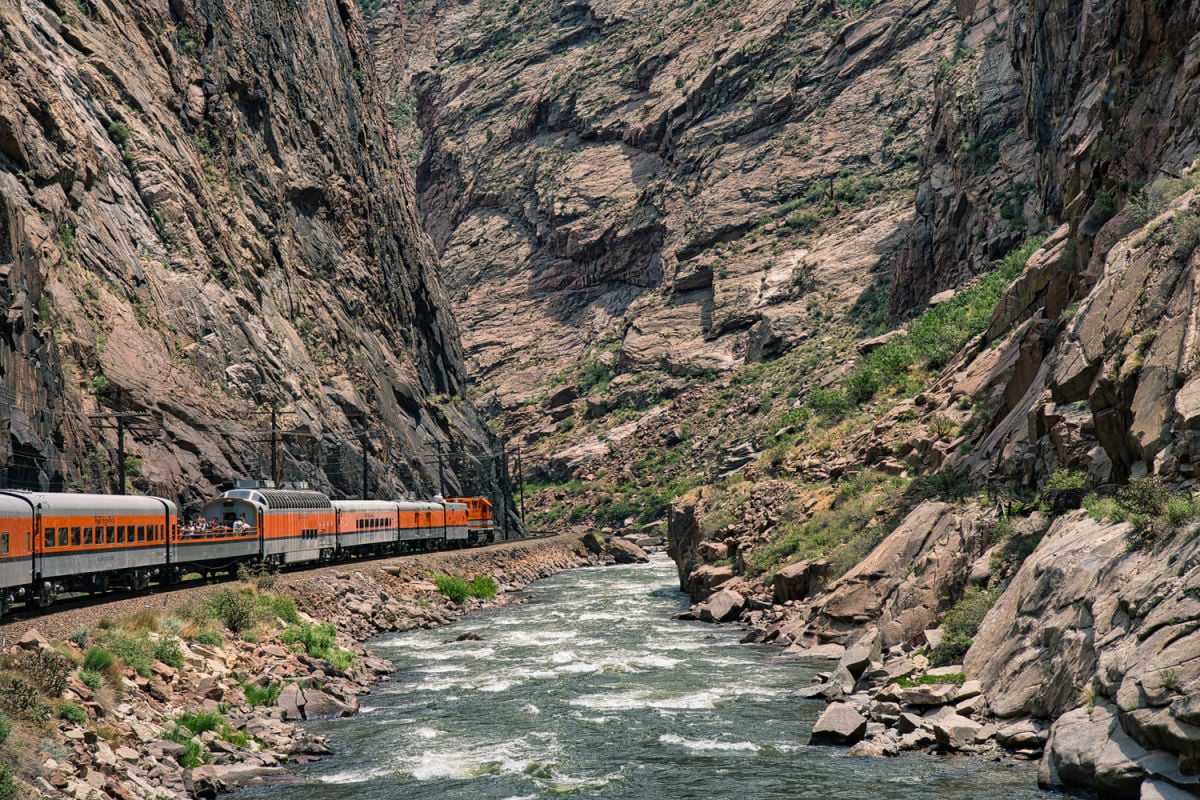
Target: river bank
[{"x": 135, "y": 736}]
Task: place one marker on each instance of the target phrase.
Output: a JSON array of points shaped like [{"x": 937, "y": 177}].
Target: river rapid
[{"x": 592, "y": 689}]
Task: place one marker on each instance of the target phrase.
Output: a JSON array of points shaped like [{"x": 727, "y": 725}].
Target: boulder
[
  {"x": 955, "y": 732},
  {"x": 713, "y": 551},
  {"x": 1088, "y": 749},
  {"x": 703, "y": 579},
  {"x": 724, "y": 606},
  {"x": 1161, "y": 790},
  {"x": 319, "y": 704},
  {"x": 594, "y": 543},
  {"x": 840, "y": 725},
  {"x": 291, "y": 700},
  {"x": 819, "y": 652},
  {"x": 32, "y": 639},
  {"x": 624, "y": 551},
  {"x": 800, "y": 580}
]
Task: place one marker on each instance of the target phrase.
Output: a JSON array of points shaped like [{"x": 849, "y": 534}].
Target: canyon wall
[{"x": 205, "y": 217}]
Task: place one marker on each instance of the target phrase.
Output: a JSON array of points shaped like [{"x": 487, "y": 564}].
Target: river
[{"x": 592, "y": 689}]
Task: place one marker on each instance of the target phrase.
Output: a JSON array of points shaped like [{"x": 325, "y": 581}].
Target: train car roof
[
  {"x": 418, "y": 505},
  {"x": 365, "y": 505},
  {"x": 90, "y": 504},
  {"x": 279, "y": 498}
]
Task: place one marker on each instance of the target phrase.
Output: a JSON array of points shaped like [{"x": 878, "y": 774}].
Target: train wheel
[{"x": 43, "y": 595}]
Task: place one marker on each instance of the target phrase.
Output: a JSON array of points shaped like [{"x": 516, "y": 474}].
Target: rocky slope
[{"x": 205, "y": 217}]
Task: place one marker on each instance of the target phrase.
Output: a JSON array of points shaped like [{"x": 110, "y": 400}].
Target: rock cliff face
[
  {"x": 204, "y": 216},
  {"x": 664, "y": 189}
]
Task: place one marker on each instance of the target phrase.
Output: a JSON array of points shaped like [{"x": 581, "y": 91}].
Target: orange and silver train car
[
  {"x": 287, "y": 525},
  {"x": 433, "y": 523},
  {"x": 367, "y": 526},
  {"x": 53, "y": 542},
  {"x": 481, "y": 525}
]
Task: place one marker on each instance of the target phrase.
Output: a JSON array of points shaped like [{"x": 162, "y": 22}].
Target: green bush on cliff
[
  {"x": 960, "y": 625},
  {"x": 865, "y": 509},
  {"x": 1149, "y": 506},
  {"x": 937, "y": 335}
]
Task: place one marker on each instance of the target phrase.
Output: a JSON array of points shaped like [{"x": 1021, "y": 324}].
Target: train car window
[
  {"x": 141, "y": 533},
  {"x": 62, "y": 537},
  {"x": 76, "y": 538},
  {"x": 87, "y": 534},
  {"x": 120, "y": 534},
  {"x": 109, "y": 534},
  {"x": 49, "y": 537},
  {"x": 3, "y": 544}
]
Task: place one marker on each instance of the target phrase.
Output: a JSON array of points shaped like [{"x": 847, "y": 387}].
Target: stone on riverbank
[
  {"x": 840, "y": 725},
  {"x": 724, "y": 606}
]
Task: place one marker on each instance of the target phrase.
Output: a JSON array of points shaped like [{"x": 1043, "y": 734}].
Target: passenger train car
[{"x": 54, "y": 543}]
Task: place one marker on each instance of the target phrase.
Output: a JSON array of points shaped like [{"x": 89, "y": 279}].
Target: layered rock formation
[
  {"x": 675, "y": 190},
  {"x": 205, "y": 217}
]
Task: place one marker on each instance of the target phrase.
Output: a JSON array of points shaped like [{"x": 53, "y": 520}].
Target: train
[{"x": 55, "y": 543}]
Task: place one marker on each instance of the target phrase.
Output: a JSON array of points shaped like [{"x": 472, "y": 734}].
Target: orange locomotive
[{"x": 52, "y": 543}]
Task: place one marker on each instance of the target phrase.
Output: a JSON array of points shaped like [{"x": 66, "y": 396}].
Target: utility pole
[
  {"x": 122, "y": 421},
  {"x": 362, "y": 441},
  {"x": 441, "y": 471},
  {"x": 521, "y": 483},
  {"x": 274, "y": 437}
]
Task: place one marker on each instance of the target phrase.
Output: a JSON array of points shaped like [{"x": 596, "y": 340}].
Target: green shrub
[
  {"x": 211, "y": 638},
  {"x": 233, "y": 607},
  {"x": 453, "y": 587},
  {"x": 72, "y": 712},
  {"x": 19, "y": 698},
  {"x": 260, "y": 695},
  {"x": 8, "y": 787},
  {"x": 47, "y": 670},
  {"x": 80, "y": 637},
  {"x": 829, "y": 403},
  {"x": 168, "y": 651},
  {"x": 483, "y": 587},
  {"x": 951, "y": 650},
  {"x": 194, "y": 753},
  {"x": 97, "y": 659},
  {"x": 90, "y": 678},
  {"x": 960, "y": 625},
  {"x": 1103, "y": 509},
  {"x": 1067, "y": 479},
  {"x": 937, "y": 335},
  {"x": 277, "y": 606},
  {"x": 318, "y": 641},
  {"x": 201, "y": 721},
  {"x": 1146, "y": 496},
  {"x": 260, "y": 576},
  {"x": 5, "y": 729},
  {"x": 1181, "y": 510},
  {"x": 135, "y": 650},
  {"x": 865, "y": 510},
  {"x": 955, "y": 678}
]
